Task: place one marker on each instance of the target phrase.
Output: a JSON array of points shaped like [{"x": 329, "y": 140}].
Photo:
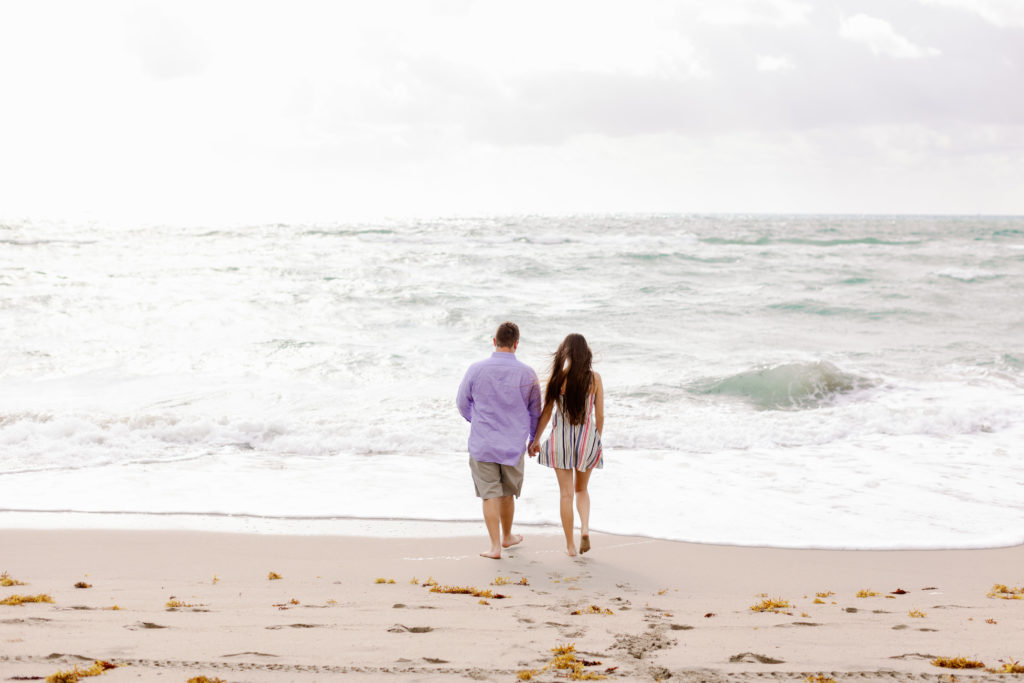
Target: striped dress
[{"x": 572, "y": 446}]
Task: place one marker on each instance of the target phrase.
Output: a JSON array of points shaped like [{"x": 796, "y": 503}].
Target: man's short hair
[{"x": 507, "y": 335}]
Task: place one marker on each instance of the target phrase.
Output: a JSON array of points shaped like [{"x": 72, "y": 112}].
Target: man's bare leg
[
  {"x": 492, "y": 516},
  {"x": 508, "y": 511}
]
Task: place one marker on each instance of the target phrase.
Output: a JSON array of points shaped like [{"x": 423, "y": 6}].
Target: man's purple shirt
[{"x": 500, "y": 396}]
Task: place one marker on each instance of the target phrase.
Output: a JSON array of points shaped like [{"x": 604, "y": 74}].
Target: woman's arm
[
  {"x": 542, "y": 424},
  {"x": 599, "y": 403}
]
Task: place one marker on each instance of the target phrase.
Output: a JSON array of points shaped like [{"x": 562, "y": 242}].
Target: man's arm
[
  {"x": 533, "y": 407},
  {"x": 464, "y": 399}
]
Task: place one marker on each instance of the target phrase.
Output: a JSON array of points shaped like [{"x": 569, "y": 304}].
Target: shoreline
[
  {"x": 369, "y": 527},
  {"x": 652, "y": 597}
]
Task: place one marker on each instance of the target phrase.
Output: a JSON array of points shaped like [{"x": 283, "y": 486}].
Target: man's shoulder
[{"x": 501, "y": 361}]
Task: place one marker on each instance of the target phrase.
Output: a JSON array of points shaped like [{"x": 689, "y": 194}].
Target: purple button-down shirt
[{"x": 500, "y": 396}]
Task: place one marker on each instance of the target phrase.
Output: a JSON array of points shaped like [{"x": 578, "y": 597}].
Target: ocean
[{"x": 790, "y": 381}]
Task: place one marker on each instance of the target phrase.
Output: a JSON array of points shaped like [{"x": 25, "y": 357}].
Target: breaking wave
[{"x": 792, "y": 386}]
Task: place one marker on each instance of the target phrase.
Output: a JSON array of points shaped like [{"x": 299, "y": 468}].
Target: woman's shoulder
[{"x": 595, "y": 381}]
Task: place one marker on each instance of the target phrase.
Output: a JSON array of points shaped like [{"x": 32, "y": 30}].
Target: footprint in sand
[
  {"x": 402, "y": 628},
  {"x": 754, "y": 658},
  {"x": 143, "y": 625}
]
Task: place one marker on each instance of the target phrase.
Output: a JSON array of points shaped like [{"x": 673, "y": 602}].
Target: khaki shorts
[{"x": 494, "y": 480}]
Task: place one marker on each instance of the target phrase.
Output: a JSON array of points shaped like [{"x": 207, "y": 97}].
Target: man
[{"x": 500, "y": 397}]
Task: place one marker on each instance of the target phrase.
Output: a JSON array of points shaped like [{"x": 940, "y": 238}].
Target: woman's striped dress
[{"x": 572, "y": 446}]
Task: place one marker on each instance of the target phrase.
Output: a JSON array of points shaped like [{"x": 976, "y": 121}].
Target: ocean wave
[
  {"x": 792, "y": 386},
  {"x": 819, "y": 308},
  {"x": 767, "y": 240},
  {"x": 968, "y": 274}
]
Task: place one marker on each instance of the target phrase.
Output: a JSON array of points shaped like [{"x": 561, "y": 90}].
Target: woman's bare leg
[
  {"x": 583, "y": 506},
  {"x": 565, "y": 490}
]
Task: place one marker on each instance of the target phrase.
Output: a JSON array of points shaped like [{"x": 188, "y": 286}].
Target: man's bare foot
[
  {"x": 491, "y": 555},
  {"x": 514, "y": 539},
  {"x": 584, "y": 542},
  {"x": 570, "y": 551}
]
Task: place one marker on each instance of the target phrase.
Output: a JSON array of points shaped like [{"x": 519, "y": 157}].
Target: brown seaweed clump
[
  {"x": 74, "y": 674},
  {"x": 917, "y": 614},
  {"x": 22, "y": 599},
  {"x": 1010, "y": 667},
  {"x": 273, "y": 576},
  {"x": 593, "y": 609},
  {"x": 83, "y": 584},
  {"x": 866, "y": 593},
  {"x": 204, "y": 679},
  {"x": 565, "y": 660},
  {"x": 6, "y": 580},
  {"x": 820, "y": 678},
  {"x": 1004, "y": 592},
  {"x": 957, "y": 663},
  {"x": 467, "y": 590},
  {"x": 770, "y": 605},
  {"x": 381, "y": 579}
]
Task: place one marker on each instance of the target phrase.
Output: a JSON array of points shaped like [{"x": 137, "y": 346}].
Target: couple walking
[{"x": 501, "y": 398}]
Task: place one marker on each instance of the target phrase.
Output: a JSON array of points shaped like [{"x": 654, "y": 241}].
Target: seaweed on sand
[
  {"x": 770, "y": 605},
  {"x": 1010, "y": 667},
  {"x": 957, "y": 663},
  {"x": 593, "y": 609},
  {"x": 74, "y": 674},
  {"x": 6, "y": 580},
  {"x": 14, "y": 600},
  {"x": 467, "y": 590},
  {"x": 1004, "y": 592},
  {"x": 565, "y": 660}
]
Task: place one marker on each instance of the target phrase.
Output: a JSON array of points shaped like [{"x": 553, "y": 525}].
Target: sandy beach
[{"x": 644, "y": 609}]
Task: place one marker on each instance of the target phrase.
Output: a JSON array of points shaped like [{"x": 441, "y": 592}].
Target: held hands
[{"x": 533, "y": 449}]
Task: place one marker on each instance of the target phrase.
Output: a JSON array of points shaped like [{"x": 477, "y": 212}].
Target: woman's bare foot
[
  {"x": 584, "y": 542},
  {"x": 570, "y": 551},
  {"x": 492, "y": 555},
  {"x": 514, "y": 539}
]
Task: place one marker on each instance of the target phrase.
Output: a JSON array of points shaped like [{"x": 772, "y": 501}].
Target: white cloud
[
  {"x": 880, "y": 37},
  {"x": 739, "y": 12},
  {"x": 773, "y": 63},
  {"x": 998, "y": 12}
]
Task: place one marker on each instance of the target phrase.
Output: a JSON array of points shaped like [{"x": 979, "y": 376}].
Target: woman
[{"x": 575, "y": 396}]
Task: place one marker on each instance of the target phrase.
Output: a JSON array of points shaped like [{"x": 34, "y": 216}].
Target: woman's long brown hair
[{"x": 571, "y": 365}]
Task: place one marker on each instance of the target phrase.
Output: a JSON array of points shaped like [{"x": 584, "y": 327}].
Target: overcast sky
[{"x": 251, "y": 111}]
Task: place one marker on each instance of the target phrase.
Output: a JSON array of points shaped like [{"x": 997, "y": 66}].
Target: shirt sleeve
[
  {"x": 464, "y": 399},
  {"x": 533, "y": 405}
]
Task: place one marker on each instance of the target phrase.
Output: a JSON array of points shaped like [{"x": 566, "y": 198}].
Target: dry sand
[{"x": 666, "y": 610}]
